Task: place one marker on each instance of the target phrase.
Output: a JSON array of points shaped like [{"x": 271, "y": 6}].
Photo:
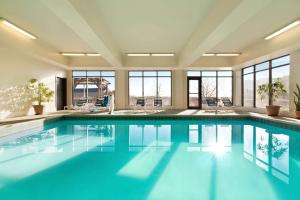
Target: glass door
[{"x": 194, "y": 92}]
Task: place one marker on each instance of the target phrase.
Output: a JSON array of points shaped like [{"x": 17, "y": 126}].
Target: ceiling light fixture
[
  {"x": 93, "y": 54},
  {"x": 18, "y": 29},
  {"x": 138, "y": 54},
  {"x": 228, "y": 54},
  {"x": 73, "y": 54},
  {"x": 208, "y": 54},
  {"x": 163, "y": 54},
  {"x": 288, "y": 27}
]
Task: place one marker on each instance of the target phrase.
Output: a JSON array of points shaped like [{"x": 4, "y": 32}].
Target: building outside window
[{"x": 88, "y": 86}]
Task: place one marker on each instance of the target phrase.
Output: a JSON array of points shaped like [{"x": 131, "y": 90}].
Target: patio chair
[
  {"x": 99, "y": 102},
  {"x": 81, "y": 102},
  {"x": 157, "y": 102},
  {"x": 226, "y": 101},
  {"x": 211, "y": 101},
  {"x": 140, "y": 102}
]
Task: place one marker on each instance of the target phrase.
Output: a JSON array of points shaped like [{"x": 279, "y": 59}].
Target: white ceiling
[
  {"x": 116, "y": 27},
  {"x": 152, "y": 26},
  {"x": 277, "y": 15},
  {"x": 36, "y": 18}
]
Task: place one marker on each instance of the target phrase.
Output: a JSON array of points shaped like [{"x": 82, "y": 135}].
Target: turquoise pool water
[{"x": 156, "y": 159}]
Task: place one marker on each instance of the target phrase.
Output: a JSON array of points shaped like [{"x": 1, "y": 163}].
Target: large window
[
  {"x": 248, "y": 92},
  {"x": 88, "y": 86},
  {"x": 262, "y": 77},
  {"x": 216, "y": 87},
  {"x": 264, "y": 73},
  {"x": 150, "y": 85}
]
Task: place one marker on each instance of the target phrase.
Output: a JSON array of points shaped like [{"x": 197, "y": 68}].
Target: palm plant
[
  {"x": 297, "y": 98},
  {"x": 275, "y": 90},
  {"x": 40, "y": 92}
]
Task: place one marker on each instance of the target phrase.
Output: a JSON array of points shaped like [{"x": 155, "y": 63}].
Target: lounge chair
[
  {"x": 226, "y": 101},
  {"x": 211, "y": 101},
  {"x": 98, "y": 102},
  {"x": 140, "y": 102},
  {"x": 157, "y": 102},
  {"x": 81, "y": 102}
]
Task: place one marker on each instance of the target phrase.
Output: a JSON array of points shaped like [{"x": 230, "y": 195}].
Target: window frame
[
  {"x": 156, "y": 77},
  {"x": 269, "y": 69},
  {"x": 217, "y": 76},
  {"x": 86, "y": 77}
]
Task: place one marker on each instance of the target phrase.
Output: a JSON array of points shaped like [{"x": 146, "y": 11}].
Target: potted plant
[
  {"x": 273, "y": 90},
  {"x": 40, "y": 94},
  {"x": 297, "y": 102}
]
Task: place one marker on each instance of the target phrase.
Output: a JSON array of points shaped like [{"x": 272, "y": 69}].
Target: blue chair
[{"x": 105, "y": 101}]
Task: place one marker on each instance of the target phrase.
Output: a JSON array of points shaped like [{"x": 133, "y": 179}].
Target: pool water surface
[{"x": 154, "y": 159}]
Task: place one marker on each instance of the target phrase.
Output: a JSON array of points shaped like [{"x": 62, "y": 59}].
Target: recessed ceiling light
[
  {"x": 163, "y": 54},
  {"x": 93, "y": 54},
  {"x": 208, "y": 54},
  {"x": 73, "y": 54},
  {"x": 228, "y": 54},
  {"x": 18, "y": 29},
  {"x": 292, "y": 25},
  {"x": 138, "y": 54}
]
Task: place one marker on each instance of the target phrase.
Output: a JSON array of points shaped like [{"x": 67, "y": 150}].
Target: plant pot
[
  {"x": 297, "y": 114},
  {"x": 273, "y": 110},
  {"x": 38, "y": 109}
]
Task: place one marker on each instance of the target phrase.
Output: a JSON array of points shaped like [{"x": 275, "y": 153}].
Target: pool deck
[
  {"x": 36, "y": 122},
  {"x": 152, "y": 113}
]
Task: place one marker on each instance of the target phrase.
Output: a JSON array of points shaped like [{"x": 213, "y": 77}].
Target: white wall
[{"x": 15, "y": 70}]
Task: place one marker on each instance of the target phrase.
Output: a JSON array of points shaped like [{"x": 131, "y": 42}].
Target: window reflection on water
[
  {"x": 269, "y": 151},
  {"x": 264, "y": 149},
  {"x": 153, "y": 136}
]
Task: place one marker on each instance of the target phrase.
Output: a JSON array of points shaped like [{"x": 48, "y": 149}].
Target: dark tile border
[{"x": 274, "y": 122}]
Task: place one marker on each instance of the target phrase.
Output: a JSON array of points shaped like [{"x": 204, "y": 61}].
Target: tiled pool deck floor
[{"x": 187, "y": 112}]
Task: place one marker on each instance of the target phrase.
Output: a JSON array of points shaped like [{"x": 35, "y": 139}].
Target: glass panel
[
  {"x": 193, "y": 134},
  {"x": 281, "y": 61},
  {"x": 248, "y": 70},
  {"x": 193, "y": 100},
  {"x": 282, "y": 74},
  {"x": 164, "y": 90},
  {"x": 79, "y": 91},
  {"x": 193, "y": 86},
  {"x": 164, "y": 135},
  {"x": 261, "y": 78},
  {"x": 135, "y": 73},
  {"x": 225, "y": 91},
  {"x": 108, "y": 85},
  {"x": 262, "y": 144},
  {"x": 164, "y": 73},
  {"x": 248, "y": 90},
  {"x": 79, "y": 73},
  {"x": 209, "y": 73},
  {"x": 262, "y": 66},
  {"x": 224, "y": 73},
  {"x": 94, "y": 89},
  {"x": 150, "y": 89},
  {"x": 93, "y": 73},
  {"x": 209, "y": 89},
  {"x": 280, "y": 152},
  {"x": 150, "y": 73},
  {"x": 135, "y": 89},
  {"x": 193, "y": 73},
  {"x": 248, "y": 140},
  {"x": 107, "y": 73}
]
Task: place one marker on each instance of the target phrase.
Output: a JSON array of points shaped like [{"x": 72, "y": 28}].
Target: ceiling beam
[
  {"x": 68, "y": 13},
  {"x": 224, "y": 20}
]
